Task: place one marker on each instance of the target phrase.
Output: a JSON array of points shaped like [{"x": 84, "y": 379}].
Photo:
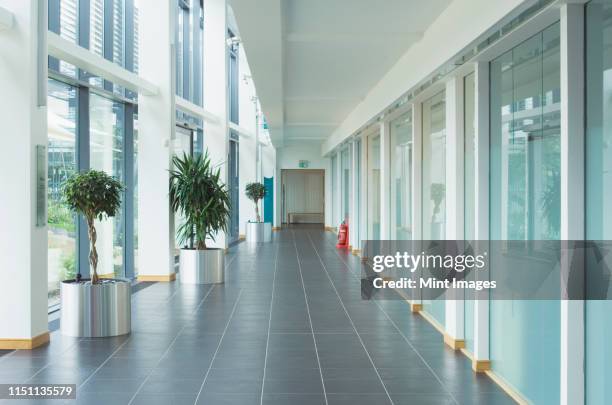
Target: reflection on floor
[{"x": 288, "y": 327}]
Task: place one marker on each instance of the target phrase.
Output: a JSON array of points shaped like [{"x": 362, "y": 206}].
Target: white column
[
  {"x": 216, "y": 135},
  {"x": 572, "y": 194},
  {"x": 23, "y": 126},
  {"x": 481, "y": 361},
  {"x": 385, "y": 181},
  {"x": 156, "y": 121},
  {"x": 416, "y": 303},
  {"x": 247, "y": 166},
  {"x": 363, "y": 197},
  {"x": 354, "y": 198},
  {"x": 454, "y": 319}
]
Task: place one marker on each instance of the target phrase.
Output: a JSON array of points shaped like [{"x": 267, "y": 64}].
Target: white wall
[{"x": 23, "y": 125}]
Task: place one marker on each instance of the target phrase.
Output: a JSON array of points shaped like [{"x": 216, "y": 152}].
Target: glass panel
[
  {"x": 346, "y": 183},
  {"x": 434, "y": 183},
  {"x": 106, "y": 153},
  {"x": 373, "y": 187},
  {"x": 234, "y": 189},
  {"x": 69, "y": 17},
  {"x": 525, "y": 205},
  {"x": 334, "y": 190},
  {"x": 599, "y": 190},
  {"x": 401, "y": 177},
  {"x": 62, "y": 223},
  {"x": 358, "y": 228},
  {"x": 181, "y": 145},
  {"x": 135, "y": 194},
  {"x": 469, "y": 149}
]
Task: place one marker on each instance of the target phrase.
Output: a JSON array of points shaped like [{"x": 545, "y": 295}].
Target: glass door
[
  {"x": 182, "y": 145},
  {"x": 233, "y": 186}
]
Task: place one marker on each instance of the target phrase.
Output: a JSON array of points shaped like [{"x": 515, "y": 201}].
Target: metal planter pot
[
  {"x": 96, "y": 310},
  {"x": 258, "y": 232},
  {"x": 202, "y": 266}
]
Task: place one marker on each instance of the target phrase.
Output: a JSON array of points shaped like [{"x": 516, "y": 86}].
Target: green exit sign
[{"x": 304, "y": 164}]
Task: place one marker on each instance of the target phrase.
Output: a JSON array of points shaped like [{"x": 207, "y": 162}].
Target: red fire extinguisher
[{"x": 343, "y": 236}]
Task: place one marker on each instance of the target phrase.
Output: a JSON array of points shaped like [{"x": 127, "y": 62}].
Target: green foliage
[
  {"x": 68, "y": 270},
  {"x": 197, "y": 193},
  {"x": 60, "y": 217},
  {"x": 93, "y": 194},
  {"x": 437, "y": 192},
  {"x": 255, "y": 192}
]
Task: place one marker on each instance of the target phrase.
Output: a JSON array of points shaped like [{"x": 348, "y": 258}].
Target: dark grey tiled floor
[{"x": 288, "y": 327}]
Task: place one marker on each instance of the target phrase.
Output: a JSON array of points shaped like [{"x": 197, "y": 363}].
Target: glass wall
[
  {"x": 189, "y": 39},
  {"x": 106, "y": 137},
  {"x": 345, "y": 173},
  {"x": 401, "y": 177},
  {"x": 469, "y": 192},
  {"x": 358, "y": 215},
  {"x": 599, "y": 190},
  {"x": 434, "y": 183},
  {"x": 335, "y": 193},
  {"x": 373, "y": 187},
  {"x": 62, "y": 223},
  {"x": 525, "y": 205}
]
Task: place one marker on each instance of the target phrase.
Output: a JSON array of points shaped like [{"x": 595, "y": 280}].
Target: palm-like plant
[
  {"x": 255, "y": 192},
  {"x": 95, "y": 195},
  {"x": 198, "y": 195}
]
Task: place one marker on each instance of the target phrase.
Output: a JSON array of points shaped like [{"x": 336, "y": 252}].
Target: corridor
[{"x": 288, "y": 327}]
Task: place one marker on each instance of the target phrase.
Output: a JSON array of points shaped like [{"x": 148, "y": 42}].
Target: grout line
[
  {"x": 349, "y": 317},
  {"x": 263, "y": 382},
  {"x": 403, "y": 335},
  {"x": 309, "y": 318},
  {"x": 170, "y": 346},
  {"x": 218, "y": 346}
]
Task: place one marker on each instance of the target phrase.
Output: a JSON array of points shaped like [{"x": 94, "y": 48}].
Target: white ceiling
[{"x": 313, "y": 61}]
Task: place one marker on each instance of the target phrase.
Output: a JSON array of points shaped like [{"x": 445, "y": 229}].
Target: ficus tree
[
  {"x": 197, "y": 193},
  {"x": 95, "y": 195},
  {"x": 255, "y": 192}
]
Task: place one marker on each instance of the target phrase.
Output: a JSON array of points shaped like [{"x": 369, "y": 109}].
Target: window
[
  {"x": 401, "y": 177},
  {"x": 346, "y": 183},
  {"x": 434, "y": 183},
  {"x": 598, "y": 190},
  {"x": 62, "y": 155},
  {"x": 374, "y": 187},
  {"x": 525, "y": 203},
  {"x": 189, "y": 39},
  {"x": 107, "y": 154}
]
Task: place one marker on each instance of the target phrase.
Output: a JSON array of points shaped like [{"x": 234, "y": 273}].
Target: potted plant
[
  {"x": 94, "y": 307},
  {"x": 197, "y": 193},
  {"x": 257, "y": 231}
]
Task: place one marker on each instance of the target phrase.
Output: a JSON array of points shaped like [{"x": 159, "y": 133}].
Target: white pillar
[
  {"x": 481, "y": 361},
  {"x": 216, "y": 135},
  {"x": 363, "y": 195},
  {"x": 416, "y": 303},
  {"x": 385, "y": 181},
  {"x": 156, "y": 121},
  {"x": 354, "y": 198},
  {"x": 23, "y": 126},
  {"x": 248, "y": 110},
  {"x": 454, "y": 319},
  {"x": 572, "y": 194}
]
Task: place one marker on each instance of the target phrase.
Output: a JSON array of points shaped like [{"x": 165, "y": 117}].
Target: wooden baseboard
[
  {"x": 480, "y": 366},
  {"x": 242, "y": 237},
  {"x": 24, "y": 344},
  {"x": 276, "y": 228},
  {"x": 107, "y": 276},
  {"x": 455, "y": 344},
  {"x": 515, "y": 395},
  {"x": 356, "y": 252},
  {"x": 161, "y": 278},
  {"x": 415, "y": 308}
]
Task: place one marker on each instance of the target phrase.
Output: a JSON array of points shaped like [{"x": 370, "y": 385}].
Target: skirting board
[
  {"x": 161, "y": 278},
  {"x": 356, "y": 252},
  {"x": 415, "y": 308},
  {"x": 24, "y": 344},
  {"x": 453, "y": 343},
  {"x": 276, "y": 228}
]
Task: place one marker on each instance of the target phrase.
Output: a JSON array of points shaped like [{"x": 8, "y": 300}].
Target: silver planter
[
  {"x": 258, "y": 232},
  {"x": 202, "y": 266},
  {"x": 96, "y": 310}
]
